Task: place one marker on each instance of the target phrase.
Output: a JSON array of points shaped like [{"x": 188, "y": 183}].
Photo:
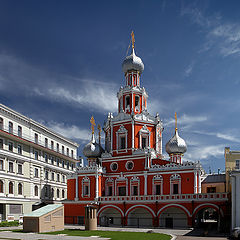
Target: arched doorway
[
  {"x": 140, "y": 217},
  {"x": 207, "y": 218},
  {"x": 110, "y": 217},
  {"x": 173, "y": 217}
]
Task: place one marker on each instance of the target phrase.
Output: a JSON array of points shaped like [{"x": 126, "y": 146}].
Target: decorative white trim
[
  {"x": 174, "y": 205},
  {"x": 175, "y": 179},
  {"x": 85, "y": 182},
  {"x": 111, "y": 166},
  {"x": 109, "y": 206},
  {"x": 139, "y": 206},
  {"x": 122, "y": 132},
  {"x": 133, "y": 182},
  {"x": 126, "y": 165},
  {"x": 157, "y": 178}
]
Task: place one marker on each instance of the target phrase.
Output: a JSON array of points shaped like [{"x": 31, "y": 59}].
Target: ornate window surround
[
  {"x": 121, "y": 132},
  {"x": 126, "y": 165},
  {"x": 85, "y": 182},
  {"x": 134, "y": 181},
  {"x": 121, "y": 179},
  {"x": 157, "y": 180},
  {"x": 175, "y": 179},
  {"x": 109, "y": 183},
  {"x": 144, "y": 132},
  {"x": 112, "y": 165},
  {"x": 127, "y": 107}
]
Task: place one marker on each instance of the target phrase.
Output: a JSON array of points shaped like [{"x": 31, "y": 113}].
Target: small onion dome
[
  {"x": 92, "y": 149},
  {"x": 132, "y": 62},
  {"x": 176, "y": 145}
]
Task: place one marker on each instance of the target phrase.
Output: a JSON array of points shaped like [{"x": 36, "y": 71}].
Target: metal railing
[
  {"x": 175, "y": 197},
  {"x": 32, "y": 139}
]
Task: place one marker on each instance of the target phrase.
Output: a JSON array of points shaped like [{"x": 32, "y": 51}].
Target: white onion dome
[
  {"x": 176, "y": 145},
  {"x": 92, "y": 149},
  {"x": 132, "y": 62}
]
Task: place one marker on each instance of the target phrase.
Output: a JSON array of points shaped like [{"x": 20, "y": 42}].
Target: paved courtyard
[{"x": 179, "y": 234}]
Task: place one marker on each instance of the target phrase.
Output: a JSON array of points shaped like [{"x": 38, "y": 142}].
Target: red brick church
[{"x": 129, "y": 181}]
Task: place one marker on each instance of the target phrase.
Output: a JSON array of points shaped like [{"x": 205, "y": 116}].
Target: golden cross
[
  {"x": 92, "y": 121},
  {"x": 99, "y": 133},
  {"x": 133, "y": 39},
  {"x": 175, "y": 121}
]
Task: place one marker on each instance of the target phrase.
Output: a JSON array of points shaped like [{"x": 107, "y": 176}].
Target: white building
[
  {"x": 235, "y": 182},
  {"x": 34, "y": 163}
]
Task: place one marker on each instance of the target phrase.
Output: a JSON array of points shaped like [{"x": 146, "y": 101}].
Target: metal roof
[
  {"x": 215, "y": 178},
  {"x": 43, "y": 210}
]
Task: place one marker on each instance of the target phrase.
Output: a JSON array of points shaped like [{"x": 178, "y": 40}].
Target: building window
[
  {"x": 52, "y": 193},
  {"x": 127, "y": 105},
  {"x": 157, "y": 185},
  {"x": 15, "y": 209},
  {"x": 46, "y": 142},
  {"x": 114, "y": 166},
  {"x": 72, "y": 153},
  {"x": 122, "y": 142},
  {"x": 175, "y": 184},
  {"x": 20, "y": 189},
  {"x": 110, "y": 191},
  {"x": 19, "y": 131},
  {"x": 10, "y": 127},
  {"x": 36, "y": 155},
  {"x": 62, "y": 149},
  {"x": 137, "y": 107},
  {"x": 46, "y": 175},
  {"x": 63, "y": 178},
  {"x": 237, "y": 164},
  {"x": 67, "y": 165},
  {"x": 10, "y": 185},
  {"x": 36, "y": 138},
  {"x": 135, "y": 190},
  {"x": 46, "y": 191},
  {"x": 52, "y": 176},
  {"x": 211, "y": 189},
  {"x": 36, "y": 191},
  {"x": 1, "y": 124},
  {"x": 85, "y": 187},
  {"x": 129, "y": 165},
  {"x": 63, "y": 164},
  {"x": 19, "y": 149},
  {"x": 122, "y": 191},
  {"x": 1, "y": 186},
  {"x": 52, "y": 160},
  {"x": 72, "y": 166},
  {"x": 58, "y": 193},
  {"x": 144, "y": 137},
  {"x": 10, "y": 146},
  {"x": 1, "y": 143},
  {"x": 63, "y": 193},
  {"x": 58, "y": 177},
  {"x": 52, "y": 145},
  {"x": 46, "y": 158},
  {"x": 19, "y": 168},
  {"x": 36, "y": 175},
  {"x": 1, "y": 165},
  {"x": 58, "y": 162},
  {"x": 10, "y": 167},
  {"x": 121, "y": 135},
  {"x": 67, "y": 151},
  {"x": 144, "y": 142},
  {"x": 134, "y": 185}
]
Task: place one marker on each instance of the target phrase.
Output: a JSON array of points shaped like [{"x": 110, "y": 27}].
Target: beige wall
[
  {"x": 220, "y": 187},
  {"x": 230, "y": 164}
]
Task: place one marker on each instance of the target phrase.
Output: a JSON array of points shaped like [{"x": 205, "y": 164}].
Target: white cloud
[
  {"x": 189, "y": 69},
  {"x": 70, "y": 131},
  {"x": 205, "y": 152},
  {"x": 225, "y": 37}
]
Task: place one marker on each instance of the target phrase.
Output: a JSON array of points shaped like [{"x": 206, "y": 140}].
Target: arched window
[
  {"x": 144, "y": 137},
  {"x": 63, "y": 193},
  {"x": 127, "y": 103},
  {"x": 58, "y": 193},
  {"x": 36, "y": 191},
  {"x": 1, "y": 186},
  {"x": 175, "y": 184},
  {"x": 20, "y": 189},
  {"x": 157, "y": 185},
  {"x": 10, "y": 188},
  {"x": 121, "y": 135},
  {"x": 1, "y": 123},
  {"x": 10, "y": 127}
]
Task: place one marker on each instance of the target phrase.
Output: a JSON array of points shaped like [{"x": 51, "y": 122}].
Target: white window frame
[
  {"x": 127, "y": 107},
  {"x": 157, "y": 179},
  {"x": 127, "y": 165},
  {"x": 237, "y": 164},
  {"x": 85, "y": 182},
  {"x": 137, "y": 108},
  {"x": 175, "y": 179},
  {"x": 109, "y": 183},
  {"x": 112, "y": 165},
  {"x": 144, "y": 132},
  {"x": 133, "y": 182},
  {"x": 121, "y": 132}
]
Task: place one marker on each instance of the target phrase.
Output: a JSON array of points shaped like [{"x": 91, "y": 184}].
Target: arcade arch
[
  {"x": 140, "y": 217},
  {"x": 110, "y": 217}
]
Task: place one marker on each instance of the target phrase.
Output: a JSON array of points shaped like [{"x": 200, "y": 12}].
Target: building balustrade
[
  {"x": 174, "y": 197},
  {"x": 32, "y": 139}
]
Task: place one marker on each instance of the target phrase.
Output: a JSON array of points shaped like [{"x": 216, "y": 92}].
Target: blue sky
[{"x": 60, "y": 63}]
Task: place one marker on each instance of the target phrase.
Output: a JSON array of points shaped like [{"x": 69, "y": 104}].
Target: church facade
[{"x": 129, "y": 181}]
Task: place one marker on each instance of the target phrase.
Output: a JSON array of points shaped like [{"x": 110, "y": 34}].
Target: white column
[
  {"x": 111, "y": 137},
  {"x": 132, "y": 99},
  {"x": 76, "y": 190},
  {"x": 97, "y": 187},
  {"x": 145, "y": 183},
  {"x": 237, "y": 201},
  {"x": 132, "y": 134},
  {"x": 233, "y": 181},
  {"x": 195, "y": 181},
  {"x": 156, "y": 135},
  {"x": 199, "y": 182}
]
